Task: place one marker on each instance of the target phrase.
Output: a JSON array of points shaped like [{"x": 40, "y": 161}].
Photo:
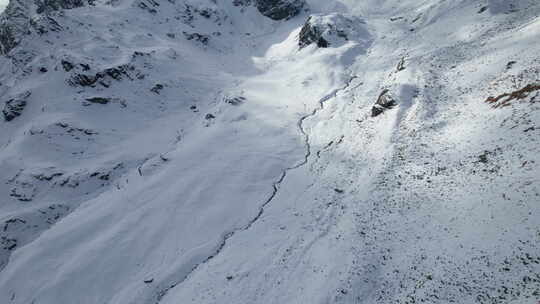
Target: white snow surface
[{"x": 232, "y": 167}]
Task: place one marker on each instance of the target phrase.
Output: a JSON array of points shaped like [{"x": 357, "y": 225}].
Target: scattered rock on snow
[{"x": 204, "y": 39}]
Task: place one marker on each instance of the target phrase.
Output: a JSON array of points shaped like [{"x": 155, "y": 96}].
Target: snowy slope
[{"x": 196, "y": 151}]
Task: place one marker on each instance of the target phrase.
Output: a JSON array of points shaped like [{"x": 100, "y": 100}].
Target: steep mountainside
[{"x": 270, "y": 151}]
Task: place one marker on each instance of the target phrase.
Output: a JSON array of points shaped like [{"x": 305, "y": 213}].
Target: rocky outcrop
[
  {"x": 80, "y": 76},
  {"x": 384, "y": 102},
  {"x": 275, "y": 9},
  {"x": 54, "y": 5},
  {"x": 20, "y": 19},
  {"x": 311, "y": 34},
  {"x": 15, "y": 106},
  {"x": 332, "y": 30},
  {"x": 14, "y": 23},
  {"x": 531, "y": 90},
  {"x": 280, "y": 9}
]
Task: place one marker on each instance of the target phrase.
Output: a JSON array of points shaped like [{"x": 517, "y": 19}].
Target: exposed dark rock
[
  {"x": 197, "y": 37},
  {"x": 83, "y": 80},
  {"x": 103, "y": 78},
  {"x": 384, "y": 102},
  {"x": 85, "y": 67},
  {"x": 14, "y": 24},
  {"x": 157, "y": 88},
  {"x": 235, "y": 101},
  {"x": 43, "y": 69},
  {"x": 510, "y": 64},
  {"x": 45, "y": 24},
  {"x": 14, "y": 106},
  {"x": 148, "y": 5},
  {"x": 8, "y": 243},
  {"x": 209, "y": 116},
  {"x": 19, "y": 231},
  {"x": 505, "y": 99},
  {"x": 311, "y": 34},
  {"x": 68, "y": 66},
  {"x": 99, "y": 100},
  {"x": 483, "y": 158},
  {"x": 483, "y": 9},
  {"x": 54, "y": 5},
  {"x": 75, "y": 131},
  {"x": 18, "y": 20},
  {"x": 401, "y": 64},
  {"x": 280, "y": 9},
  {"x": 242, "y": 2},
  {"x": 333, "y": 30},
  {"x": 47, "y": 177}
]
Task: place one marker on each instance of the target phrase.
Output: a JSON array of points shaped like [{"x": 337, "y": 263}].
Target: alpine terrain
[{"x": 270, "y": 151}]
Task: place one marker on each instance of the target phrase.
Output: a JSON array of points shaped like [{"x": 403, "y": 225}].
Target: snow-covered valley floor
[{"x": 197, "y": 151}]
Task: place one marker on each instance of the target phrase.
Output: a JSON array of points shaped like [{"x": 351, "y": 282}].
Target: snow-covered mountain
[{"x": 270, "y": 151}]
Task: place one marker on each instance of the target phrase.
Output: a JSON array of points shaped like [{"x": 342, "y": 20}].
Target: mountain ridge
[{"x": 207, "y": 152}]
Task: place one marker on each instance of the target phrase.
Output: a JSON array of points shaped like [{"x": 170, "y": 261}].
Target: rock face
[
  {"x": 54, "y": 5},
  {"x": 384, "y": 102},
  {"x": 275, "y": 9},
  {"x": 18, "y": 19},
  {"x": 280, "y": 9},
  {"x": 14, "y": 22},
  {"x": 103, "y": 78},
  {"x": 332, "y": 30},
  {"x": 14, "y": 107},
  {"x": 309, "y": 34}
]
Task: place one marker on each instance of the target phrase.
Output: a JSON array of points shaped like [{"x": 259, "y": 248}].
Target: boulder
[
  {"x": 15, "y": 106},
  {"x": 384, "y": 102}
]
